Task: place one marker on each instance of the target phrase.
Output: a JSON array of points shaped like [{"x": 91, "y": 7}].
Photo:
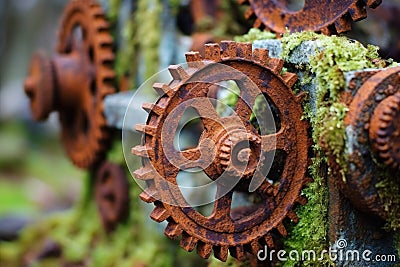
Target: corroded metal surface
[
  {"x": 112, "y": 195},
  {"x": 328, "y": 17},
  {"x": 75, "y": 81},
  {"x": 384, "y": 130},
  {"x": 369, "y": 125},
  {"x": 220, "y": 152}
]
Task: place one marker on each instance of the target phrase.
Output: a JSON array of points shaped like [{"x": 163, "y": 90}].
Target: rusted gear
[
  {"x": 384, "y": 131},
  {"x": 368, "y": 125},
  {"x": 238, "y": 230},
  {"x": 328, "y": 17},
  {"x": 112, "y": 195},
  {"x": 75, "y": 81}
]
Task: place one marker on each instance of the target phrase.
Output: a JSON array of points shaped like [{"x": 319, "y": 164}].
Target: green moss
[
  {"x": 255, "y": 34},
  {"x": 311, "y": 231},
  {"x": 140, "y": 40},
  {"x": 113, "y": 10},
  {"x": 336, "y": 56},
  {"x": 389, "y": 190}
]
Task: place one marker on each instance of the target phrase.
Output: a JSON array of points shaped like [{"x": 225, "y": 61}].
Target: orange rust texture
[{"x": 75, "y": 81}]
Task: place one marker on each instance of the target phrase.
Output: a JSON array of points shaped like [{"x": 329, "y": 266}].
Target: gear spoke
[
  {"x": 222, "y": 205},
  {"x": 274, "y": 141},
  {"x": 208, "y": 114}
]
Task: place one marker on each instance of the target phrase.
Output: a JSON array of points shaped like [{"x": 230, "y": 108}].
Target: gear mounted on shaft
[
  {"x": 372, "y": 122},
  {"x": 336, "y": 17},
  {"x": 75, "y": 81},
  {"x": 229, "y": 146}
]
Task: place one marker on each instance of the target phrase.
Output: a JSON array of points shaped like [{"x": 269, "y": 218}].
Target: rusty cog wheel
[
  {"x": 372, "y": 121},
  {"x": 384, "y": 131},
  {"x": 112, "y": 195},
  {"x": 84, "y": 130},
  {"x": 237, "y": 230},
  {"x": 337, "y": 16},
  {"x": 75, "y": 81}
]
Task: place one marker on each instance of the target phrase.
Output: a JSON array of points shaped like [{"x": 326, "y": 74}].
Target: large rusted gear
[
  {"x": 371, "y": 122},
  {"x": 75, "y": 81},
  {"x": 328, "y": 17},
  {"x": 238, "y": 230},
  {"x": 112, "y": 195}
]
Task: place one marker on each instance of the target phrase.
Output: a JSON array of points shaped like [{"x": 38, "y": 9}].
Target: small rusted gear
[
  {"x": 384, "y": 131},
  {"x": 75, "y": 81},
  {"x": 112, "y": 195},
  {"x": 328, "y": 17},
  {"x": 369, "y": 124},
  {"x": 237, "y": 230}
]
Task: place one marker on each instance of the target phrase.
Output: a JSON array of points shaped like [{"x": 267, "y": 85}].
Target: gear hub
[
  {"x": 75, "y": 81},
  {"x": 230, "y": 151}
]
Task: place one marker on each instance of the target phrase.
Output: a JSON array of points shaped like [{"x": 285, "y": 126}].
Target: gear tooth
[
  {"x": 261, "y": 56},
  {"x": 162, "y": 88},
  {"x": 149, "y": 195},
  {"x": 212, "y": 52},
  {"x": 301, "y": 200},
  {"x": 148, "y": 107},
  {"x": 281, "y": 229},
  {"x": 258, "y": 23},
  {"x": 107, "y": 57},
  {"x": 293, "y": 216},
  {"x": 224, "y": 156},
  {"x": 255, "y": 246},
  {"x": 343, "y": 24},
  {"x": 141, "y": 151},
  {"x": 269, "y": 240},
  {"x": 144, "y": 174},
  {"x": 204, "y": 249},
  {"x": 159, "y": 214},
  {"x": 177, "y": 72},
  {"x": 147, "y": 129},
  {"x": 249, "y": 13},
  {"x": 228, "y": 49},
  {"x": 289, "y": 78},
  {"x": 326, "y": 31},
  {"x": 221, "y": 252},
  {"x": 238, "y": 252},
  {"x": 101, "y": 25},
  {"x": 389, "y": 161},
  {"x": 357, "y": 11},
  {"x": 194, "y": 59},
  {"x": 188, "y": 242},
  {"x": 301, "y": 96},
  {"x": 373, "y": 3},
  {"x": 173, "y": 230},
  {"x": 385, "y": 155},
  {"x": 105, "y": 40},
  {"x": 275, "y": 64},
  {"x": 244, "y": 50}
]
